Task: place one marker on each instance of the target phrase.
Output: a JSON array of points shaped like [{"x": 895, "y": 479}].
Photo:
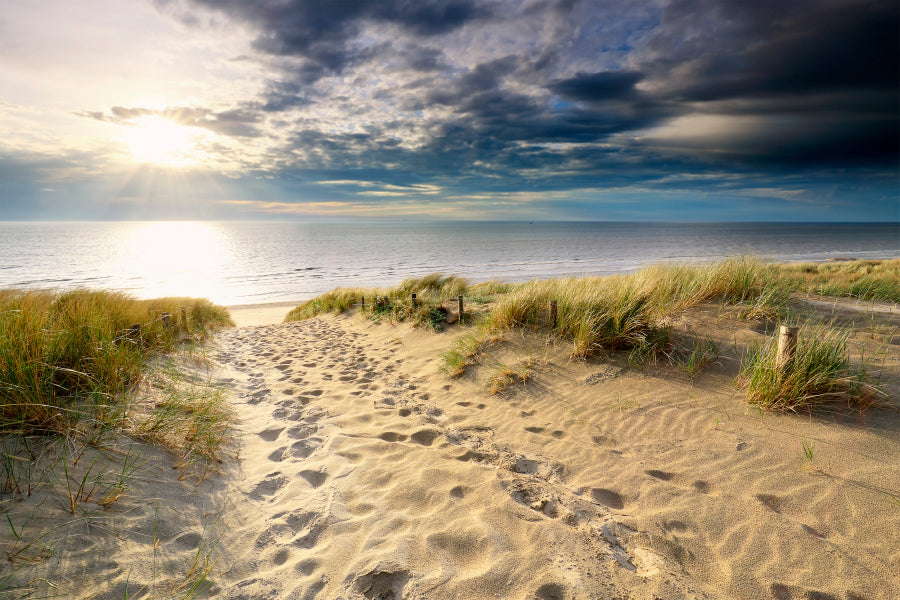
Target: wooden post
[
  {"x": 167, "y": 319},
  {"x": 184, "y": 318},
  {"x": 362, "y": 304},
  {"x": 414, "y": 299},
  {"x": 553, "y": 313},
  {"x": 459, "y": 301},
  {"x": 787, "y": 346}
]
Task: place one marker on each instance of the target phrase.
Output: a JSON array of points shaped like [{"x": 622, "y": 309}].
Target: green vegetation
[
  {"x": 70, "y": 365},
  {"x": 634, "y": 312},
  {"x": 191, "y": 419},
  {"x": 67, "y": 359},
  {"x": 396, "y": 303},
  {"x": 819, "y": 372},
  {"x": 506, "y": 376},
  {"x": 873, "y": 280}
]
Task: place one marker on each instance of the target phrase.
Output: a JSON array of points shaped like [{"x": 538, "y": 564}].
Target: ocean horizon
[{"x": 258, "y": 262}]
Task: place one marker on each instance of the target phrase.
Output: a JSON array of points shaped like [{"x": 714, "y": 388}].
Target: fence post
[
  {"x": 184, "y": 318},
  {"x": 459, "y": 301},
  {"x": 167, "y": 319},
  {"x": 787, "y": 346},
  {"x": 552, "y": 314},
  {"x": 362, "y": 304},
  {"x": 414, "y": 299}
]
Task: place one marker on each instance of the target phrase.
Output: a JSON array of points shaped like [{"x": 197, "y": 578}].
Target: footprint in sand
[
  {"x": 307, "y": 567},
  {"x": 314, "y": 478},
  {"x": 268, "y": 486},
  {"x": 702, "y": 486},
  {"x": 382, "y": 584},
  {"x": 278, "y": 455},
  {"x": 609, "y": 498},
  {"x": 281, "y": 557},
  {"x": 390, "y": 436},
  {"x": 270, "y": 435},
  {"x": 550, "y": 591},
  {"x": 302, "y": 449},
  {"x": 663, "y": 475},
  {"x": 425, "y": 437},
  {"x": 770, "y": 501},
  {"x": 301, "y": 432}
]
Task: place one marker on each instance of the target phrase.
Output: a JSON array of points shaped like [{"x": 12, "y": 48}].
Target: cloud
[
  {"x": 372, "y": 102},
  {"x": 239, "y": 122}
]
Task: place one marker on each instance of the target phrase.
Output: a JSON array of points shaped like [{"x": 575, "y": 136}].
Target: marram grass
[
  {"x": 430, "y": 290},
  {"x": 65, "y": 358},
  {"x": 819, "y": 373},
  {"x": 633, "y": 312}
]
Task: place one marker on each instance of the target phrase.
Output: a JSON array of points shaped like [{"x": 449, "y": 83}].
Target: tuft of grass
[
  {"x": 467, "y": 348},
  {"x": 506, "y": 376},
  {"x": 691, "y": 361},
  {"x": 434, "y": 286},
  {"x": 808, "y": 454},
  {"x": 337, "y": 300},
  {"x": 67, "y": 359},
  {"x": 819, "y": 373},
  {"x": 191, "y": 419}
]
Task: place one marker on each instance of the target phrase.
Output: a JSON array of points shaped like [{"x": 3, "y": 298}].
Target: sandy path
[
  {"x": 354, "y": 485},
  {"x": 365, "y": 473}
]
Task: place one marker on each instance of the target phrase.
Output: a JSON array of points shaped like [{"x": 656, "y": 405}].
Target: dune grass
[
  {"x": 872, "y": 280},
  {"x": 819, "y": 373},
  {"x": 67, "y": 358},
  {"x": 633, "y": 312},
  {"x": 396, "y": 303}
]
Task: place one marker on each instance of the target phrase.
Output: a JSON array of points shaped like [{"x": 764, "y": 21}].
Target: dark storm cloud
[
  {"x": 557, "y": 95},
  {"x": 598, "y": 87},
  {"x": 325, "y": 34},
  {"x": 720, "y": 49},
  {"x": 824, "y": 74}
]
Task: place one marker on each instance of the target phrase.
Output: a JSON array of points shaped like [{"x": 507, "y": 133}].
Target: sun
[{"x": 159, "y": 141}]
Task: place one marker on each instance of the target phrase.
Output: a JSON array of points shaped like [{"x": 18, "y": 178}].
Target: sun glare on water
[
  {"x": 159, "y": 141},
  {"x": 178, "y": 258}
]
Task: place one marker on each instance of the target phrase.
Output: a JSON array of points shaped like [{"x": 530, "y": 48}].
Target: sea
[{"x": 240, "y": 263}]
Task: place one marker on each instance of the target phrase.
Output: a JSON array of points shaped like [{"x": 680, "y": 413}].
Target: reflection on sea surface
[{"x": 254, "y": 262}]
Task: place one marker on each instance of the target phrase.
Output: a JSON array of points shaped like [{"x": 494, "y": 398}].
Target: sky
[{"x": 688, "y": 110}]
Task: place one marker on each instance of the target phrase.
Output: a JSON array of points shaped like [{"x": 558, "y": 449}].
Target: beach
[{"x": 358, "y": 469}]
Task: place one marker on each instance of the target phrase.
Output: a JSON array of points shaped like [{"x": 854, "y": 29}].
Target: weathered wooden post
[
  {"x": 459, "y": 301},
  {"x": 362, "y": 304},
  {"x": 184, "y": 323},
  {"x": 167, "y": 320},
  {"x": 414, "y": 299},
  {"x": 787, "y": 346},
  {"x": 553, "y": 313}
]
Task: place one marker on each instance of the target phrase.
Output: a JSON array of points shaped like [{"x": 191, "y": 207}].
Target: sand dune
[
  {"x": 366, "y": 473},
  {"x": 361, "y": 471}
]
